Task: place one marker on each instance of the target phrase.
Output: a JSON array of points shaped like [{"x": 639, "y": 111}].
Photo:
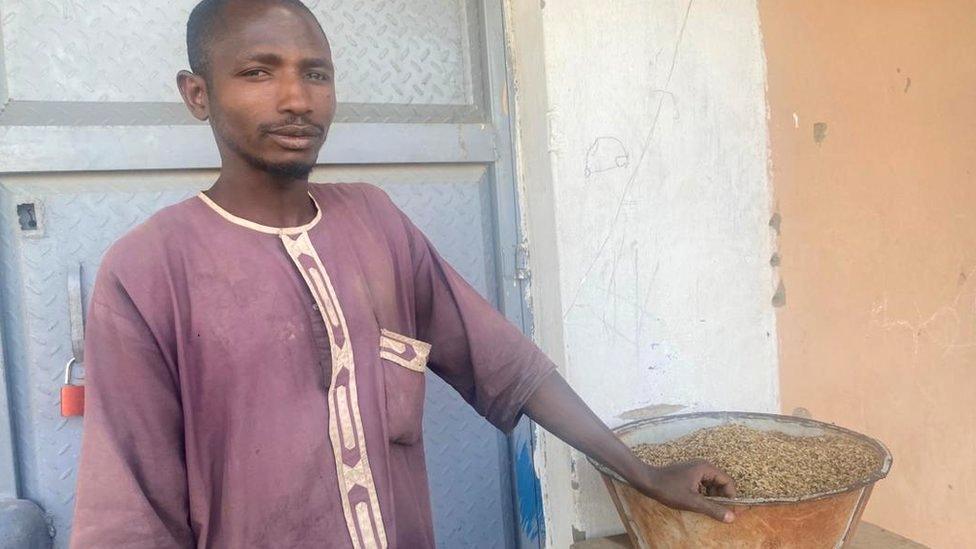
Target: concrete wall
[
  {"x": 643, "y": 152},
  {"x": 873, "y": 128}
]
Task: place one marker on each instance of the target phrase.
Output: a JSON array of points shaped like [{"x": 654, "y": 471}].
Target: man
[{"x": 257, "y": 352}]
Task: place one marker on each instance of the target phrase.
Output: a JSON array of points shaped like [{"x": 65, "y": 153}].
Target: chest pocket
[{"x": 404, "y": 362}]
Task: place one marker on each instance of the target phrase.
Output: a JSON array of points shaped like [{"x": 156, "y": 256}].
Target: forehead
[{"x": 250, "y": 26}]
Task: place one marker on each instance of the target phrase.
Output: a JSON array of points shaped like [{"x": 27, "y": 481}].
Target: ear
[{"x": 193, "y": 88}]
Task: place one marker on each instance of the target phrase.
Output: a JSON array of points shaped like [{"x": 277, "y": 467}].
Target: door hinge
[{"x": 522, "y": 270}]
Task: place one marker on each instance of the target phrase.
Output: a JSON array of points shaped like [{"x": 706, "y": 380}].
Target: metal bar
[
  {"x": 526, "y": 492},
  {"x": 8, "y": 469},
  {"x": 4, "y": 93},
  {"x": 57, "y": 149},
  {"x": 173, "y": 113}
]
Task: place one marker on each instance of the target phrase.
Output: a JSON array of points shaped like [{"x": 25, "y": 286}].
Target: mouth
[{"x": 295, "y": 138}]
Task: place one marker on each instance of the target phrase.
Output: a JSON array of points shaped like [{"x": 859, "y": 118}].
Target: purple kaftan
[{"x": 249, "y": 386}]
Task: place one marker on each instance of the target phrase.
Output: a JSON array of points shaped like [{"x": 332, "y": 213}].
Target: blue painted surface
[{"x": 527, "y": 487}]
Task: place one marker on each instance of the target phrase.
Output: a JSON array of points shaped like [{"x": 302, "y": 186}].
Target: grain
[{"x": 769, "y": 464}]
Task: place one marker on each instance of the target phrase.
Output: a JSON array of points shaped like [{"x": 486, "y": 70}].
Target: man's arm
[
  {"x": 557, "y": 408},
  {"x": 132, "y": 489},
  {"x": 502, "y": 374}
]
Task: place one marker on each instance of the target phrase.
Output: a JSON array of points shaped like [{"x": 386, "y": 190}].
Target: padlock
[{"x": 72, "y": 396}]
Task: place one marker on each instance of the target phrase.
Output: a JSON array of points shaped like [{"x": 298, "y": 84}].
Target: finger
[
  {"x": 718, "y": 483},
  {"x": 713, "y": 510}
]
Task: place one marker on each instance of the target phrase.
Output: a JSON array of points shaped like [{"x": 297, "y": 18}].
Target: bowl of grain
[{"x": 801, "y": 483}]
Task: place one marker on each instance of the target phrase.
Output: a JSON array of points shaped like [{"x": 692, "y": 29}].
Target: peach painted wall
[{"x": 873, "y": 136}]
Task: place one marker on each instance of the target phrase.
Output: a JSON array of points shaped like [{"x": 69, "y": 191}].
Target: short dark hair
[{"x": 205, "y": 25}]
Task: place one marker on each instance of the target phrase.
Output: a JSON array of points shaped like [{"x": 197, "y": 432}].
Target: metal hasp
[
  {"x": 76, "y": 314},
  {"x": 73, "y": 396},
  {"x": 827, "y": 520}
]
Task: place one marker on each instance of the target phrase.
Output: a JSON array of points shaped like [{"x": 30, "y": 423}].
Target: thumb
[{"x": 713, "y": 509}]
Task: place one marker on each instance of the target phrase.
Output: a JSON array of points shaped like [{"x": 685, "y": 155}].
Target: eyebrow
[{"x": 275, "y": 59}]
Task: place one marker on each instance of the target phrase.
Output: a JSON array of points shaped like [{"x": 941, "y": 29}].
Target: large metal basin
[{"x": 825, "y": 520}]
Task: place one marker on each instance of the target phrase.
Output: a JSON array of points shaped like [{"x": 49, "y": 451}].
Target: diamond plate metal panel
[
  {"x": 78, "y": 227},
  {"x": 386, "y": 51},
  {"x": 100, "y": 50},
  {"x": 81, "y": 215},
  {"x": 404, "y": 51}
]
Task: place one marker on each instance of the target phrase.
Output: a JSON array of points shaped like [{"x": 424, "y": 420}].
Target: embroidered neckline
[{"x": 263, "y": 228}]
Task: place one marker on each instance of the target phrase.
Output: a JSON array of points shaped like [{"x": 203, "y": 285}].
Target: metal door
[{"x": 93, "y": 139}]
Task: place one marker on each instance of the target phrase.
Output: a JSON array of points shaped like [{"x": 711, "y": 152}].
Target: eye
[
  {"x": 320, "y": 76},
  {"x": 254, "y": 73}
]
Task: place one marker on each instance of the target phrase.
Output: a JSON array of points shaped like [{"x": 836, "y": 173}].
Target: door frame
[{"x": 513, "y": 275}]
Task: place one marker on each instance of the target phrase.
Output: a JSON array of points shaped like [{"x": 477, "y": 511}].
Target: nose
[{"x": 294, "y": 97}]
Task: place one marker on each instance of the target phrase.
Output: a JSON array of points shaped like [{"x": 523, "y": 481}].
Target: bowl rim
[{"x": 730, "y": 417}]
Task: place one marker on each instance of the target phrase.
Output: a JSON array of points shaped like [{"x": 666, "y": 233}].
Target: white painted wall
[{"x": 643, "y": 156}]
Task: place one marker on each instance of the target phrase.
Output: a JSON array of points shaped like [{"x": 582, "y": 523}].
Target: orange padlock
[{"x": 72, "y": 396}]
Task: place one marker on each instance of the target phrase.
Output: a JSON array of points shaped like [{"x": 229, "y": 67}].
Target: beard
[
  {"x": 289, "y": 170},
  {"x": 280, "y": 170}
]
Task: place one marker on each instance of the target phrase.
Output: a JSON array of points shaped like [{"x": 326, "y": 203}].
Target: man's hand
[
  {"x": 685, "y": 485},
  {"x": 558, "y": 409}
]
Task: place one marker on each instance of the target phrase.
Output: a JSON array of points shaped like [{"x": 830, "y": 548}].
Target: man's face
[{"x": 271, "y": 89}]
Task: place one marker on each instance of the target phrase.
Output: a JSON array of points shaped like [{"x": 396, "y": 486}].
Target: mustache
[{"x": 296, "y": 127}]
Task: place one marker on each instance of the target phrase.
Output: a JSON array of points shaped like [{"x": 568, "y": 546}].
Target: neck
[{"x": 262, "y": 197}]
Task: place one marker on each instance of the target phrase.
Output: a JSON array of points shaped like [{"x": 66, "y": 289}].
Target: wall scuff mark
[{"x": 819, "y": 132}]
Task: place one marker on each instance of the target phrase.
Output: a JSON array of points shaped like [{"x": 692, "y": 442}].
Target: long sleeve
[
  {"x": 473, "y": 347},
  {"x": 131, "y": 488}
]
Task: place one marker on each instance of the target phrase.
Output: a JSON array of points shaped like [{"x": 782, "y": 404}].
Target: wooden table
[{"x": 868, "y": 536}]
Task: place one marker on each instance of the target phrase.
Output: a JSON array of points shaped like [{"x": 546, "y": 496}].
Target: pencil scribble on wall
[{"x": 606, "y": 153}]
